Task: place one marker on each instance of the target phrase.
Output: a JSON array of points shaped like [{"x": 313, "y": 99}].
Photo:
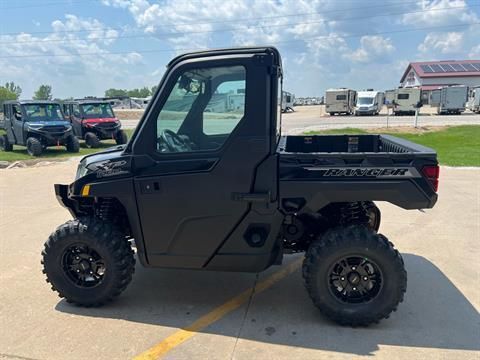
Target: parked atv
[
  {"x": 36, "y": 125},
  {"x": 93, "y": 121}
]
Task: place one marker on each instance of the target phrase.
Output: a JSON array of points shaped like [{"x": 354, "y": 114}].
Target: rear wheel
[
  {"x": 354, "y": 276},
  {"x": 121, "y": 137},
  {"x": 92, "y": 140},
  {"x": 34, "y": 146},
  {"x": 5, "y": 145},
  {"x": 88, "y": 262},
  {"x": 73, "y": 145}
]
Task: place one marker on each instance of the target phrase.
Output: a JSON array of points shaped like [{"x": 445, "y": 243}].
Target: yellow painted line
[{"x": 216, "y": 314}]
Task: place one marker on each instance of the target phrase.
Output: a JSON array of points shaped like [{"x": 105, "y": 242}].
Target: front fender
[{"x": 121, "y": 190}]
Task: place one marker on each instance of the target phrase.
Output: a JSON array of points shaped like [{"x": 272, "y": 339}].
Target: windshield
[
  {"x": 365, "y": 101},
  {"x": 97, "y": 110},
  {"x": 43, "y": 112}
]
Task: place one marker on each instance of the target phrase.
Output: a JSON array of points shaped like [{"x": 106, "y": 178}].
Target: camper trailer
[
  {"x": 369, "y": 102},
  {"x": 474, "y": 102},
  {"x": 340, "y": 101},
  {"x": 287, "y": 101},
  {"x": 451, "y": 99},
  {"x": 406, "y": 101}
]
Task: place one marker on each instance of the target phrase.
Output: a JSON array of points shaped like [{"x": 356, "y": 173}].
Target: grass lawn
[
  {"x": 455, "y": 145},
  {"x": 20, "y": 152}
]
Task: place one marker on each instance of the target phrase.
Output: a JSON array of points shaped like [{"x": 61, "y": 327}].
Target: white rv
[
  {"x": 288, "y": 100},
  {"x": 406, "y": 100},
  {"x": 474, "y": 102},
  {"x": 369, "y": 102},
  {"x": 340, "y": 101}
]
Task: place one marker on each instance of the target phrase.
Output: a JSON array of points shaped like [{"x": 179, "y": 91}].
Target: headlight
[
  {"x": 81, "y": 170},
  {"x": 35, "y": 126}
]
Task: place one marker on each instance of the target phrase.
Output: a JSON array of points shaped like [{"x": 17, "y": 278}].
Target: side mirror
[{"x": 18, "y": 116}]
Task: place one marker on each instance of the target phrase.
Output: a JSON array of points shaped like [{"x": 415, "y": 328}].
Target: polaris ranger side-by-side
[
  {"x": 36, "y": 125},
  {"x": 93, "y": 120},
  {"x": 197, "y": 189}
]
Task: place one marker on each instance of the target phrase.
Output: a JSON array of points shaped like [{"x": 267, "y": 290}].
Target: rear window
[
  {"x": 341, "y": 97},
  {"x": 403, "y": 96}
]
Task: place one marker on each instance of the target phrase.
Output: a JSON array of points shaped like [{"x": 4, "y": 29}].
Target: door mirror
[{"x": 18, "y": 116}]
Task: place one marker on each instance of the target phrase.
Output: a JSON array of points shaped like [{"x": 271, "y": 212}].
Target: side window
[
  {"x": 403, "y": 96},
  {"x": 66, "y": 110},
  {"x": 203, "y": 108},
  {"x": 225, "y": 109},
  {"x": 17, "y": 113},
  {"x": 341, "y": 97},
  {"x": 76, "y": 110}
]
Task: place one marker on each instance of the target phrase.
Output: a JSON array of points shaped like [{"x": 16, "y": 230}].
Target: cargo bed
[{"x": 342, "y": 168}]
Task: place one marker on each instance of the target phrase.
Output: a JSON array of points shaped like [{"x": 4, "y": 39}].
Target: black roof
[
  {"x": 36, "y": 102},
  {"x": 86, "y": 101},
  {"x": 227, "y": 51}
]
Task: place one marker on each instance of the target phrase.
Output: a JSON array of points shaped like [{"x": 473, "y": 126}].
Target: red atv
[{"x": 94, "y": 120}]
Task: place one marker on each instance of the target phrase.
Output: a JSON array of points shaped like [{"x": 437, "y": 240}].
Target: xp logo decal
[{"x": 109, "y": 168}]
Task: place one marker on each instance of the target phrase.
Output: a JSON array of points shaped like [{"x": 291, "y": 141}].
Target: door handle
[
  {"x": 252, "y": 197},
  {"x": 149, "y": 187}
]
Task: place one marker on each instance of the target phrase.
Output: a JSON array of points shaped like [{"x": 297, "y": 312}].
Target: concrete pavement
[{"x": 438, "y": 319}]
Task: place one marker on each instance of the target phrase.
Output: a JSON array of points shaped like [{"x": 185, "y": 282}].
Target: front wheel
[
  {"x": 34, "y": 146},
  {"x": 88, "y": 262},
  {"x": 121, "y": 137},
  {"x": 354, "y": 276},
  {"x": 91, "y": 140}
]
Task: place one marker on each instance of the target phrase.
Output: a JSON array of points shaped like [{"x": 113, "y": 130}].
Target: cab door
[
  {"x": 76, "y": 120},
  {"x": 209, "y": 131},
  {"x": 18, "y": 124}
]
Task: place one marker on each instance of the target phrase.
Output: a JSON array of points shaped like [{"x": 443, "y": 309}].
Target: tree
[
  {"x": 44, "y": 92},
  {"x": 139, "y": 93},
  {"x": 17, "y": 90},
  {"x": 153, "y": 89},
  {"x": 6, "y": 94},
  {"x": 115, "y": 92}
]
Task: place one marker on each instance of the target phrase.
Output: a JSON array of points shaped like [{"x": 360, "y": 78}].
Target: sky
[{"x": 83, "y": 47}]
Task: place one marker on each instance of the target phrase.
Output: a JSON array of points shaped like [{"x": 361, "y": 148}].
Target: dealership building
[{"x": 431, "y": 75}]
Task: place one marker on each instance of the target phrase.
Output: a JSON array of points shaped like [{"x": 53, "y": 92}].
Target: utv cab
[
  {"x": 93, "y": 120},
  {"x": 36, "y": 125}
]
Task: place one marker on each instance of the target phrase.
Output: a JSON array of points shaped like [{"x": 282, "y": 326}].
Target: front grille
[
  {"x": 54, "y": 128},
  {"x": 106, "y": 125}
]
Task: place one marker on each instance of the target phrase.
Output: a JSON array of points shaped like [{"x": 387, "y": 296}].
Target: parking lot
[
  {"x": 210, "y": 315},
  {"x": 309, "y": 118}
]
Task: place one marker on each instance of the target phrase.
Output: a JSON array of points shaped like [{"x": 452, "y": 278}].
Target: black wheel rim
[
  {"x": 355, "y": 280},
  {"x": 83, "y": 266}
]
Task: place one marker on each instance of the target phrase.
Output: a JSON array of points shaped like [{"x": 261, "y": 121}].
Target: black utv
[
  {"x": 93, "y": 120},
  {"x": 223, "y": 190},
  {"x": 36, "y": 125}
]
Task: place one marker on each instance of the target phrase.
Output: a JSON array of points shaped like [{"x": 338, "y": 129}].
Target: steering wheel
[{"x": 174, "y": 142}]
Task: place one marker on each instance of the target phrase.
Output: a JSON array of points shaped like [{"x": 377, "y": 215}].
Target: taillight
[{"x": 432, "y": 173}]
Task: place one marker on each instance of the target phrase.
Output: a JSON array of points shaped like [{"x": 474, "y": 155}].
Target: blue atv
[{"x": 36, "y": 125}]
